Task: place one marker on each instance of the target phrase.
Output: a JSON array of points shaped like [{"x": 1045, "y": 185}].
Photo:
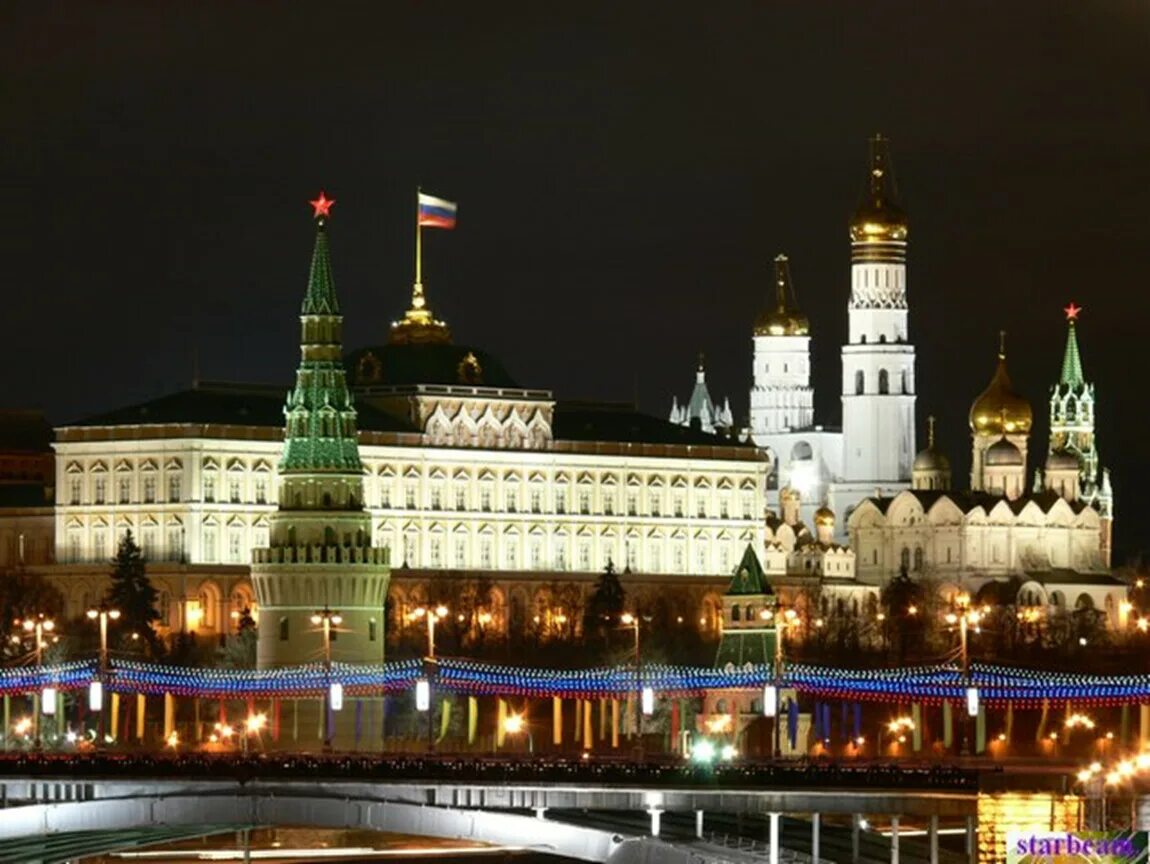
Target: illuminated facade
[{"x": 465, "y": 473}]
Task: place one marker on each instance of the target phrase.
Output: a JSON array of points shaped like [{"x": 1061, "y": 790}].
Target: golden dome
[
  {"x": 785, "y": 319},
  {"x": 999, "y": 410},
  {"x": 825, "y": 516},
  {"x": 879, "y": 218}
]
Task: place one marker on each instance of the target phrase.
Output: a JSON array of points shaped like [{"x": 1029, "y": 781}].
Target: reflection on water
[
  {"x": 1002, "y": 812},
  {"x": 296, "y": 845}
]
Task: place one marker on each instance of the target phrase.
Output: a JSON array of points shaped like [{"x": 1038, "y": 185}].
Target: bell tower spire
[
  {"x": 781, "y": 396},
  {"x": 878, "y": 394}
]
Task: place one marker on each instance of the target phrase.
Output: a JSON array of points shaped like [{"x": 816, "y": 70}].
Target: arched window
[
  {"x": 918, "y": 558},
  {"x": 735, "y": 613},
  {"x": 904, "y": 558},
  {"x": 883, "y": 381},
  {"x": 750, "y": 616},
  {"x": 860, "y": 382}
]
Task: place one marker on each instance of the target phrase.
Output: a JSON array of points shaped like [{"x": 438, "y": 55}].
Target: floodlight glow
[
  {"x": 422, "y": 695},
  {"x": 336, "y": 696},
  {"x": 770, "y": 701},
  {"x": 96, "y": 696},
  {"x": 648, "y": 701},
  {"x": 48, "y": 701},
  {"x": 972, "y": 701},
  {"x": 703, "y": 751}
]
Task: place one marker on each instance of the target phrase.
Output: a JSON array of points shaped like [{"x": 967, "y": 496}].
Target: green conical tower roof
[
  {"x": 320, "y": 433},
  {"x": 1071, "y": 360},
  {"x": 749, "y": 577},
  {"x": 320, "y": 298}
]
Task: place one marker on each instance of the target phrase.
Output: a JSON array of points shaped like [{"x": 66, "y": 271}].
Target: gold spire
[
  {"x": 930, "y": 432},
  {"x": 999, "y": 410},
  {"x": 785, "y": 319},
  {"x": 879, "y": 218}
]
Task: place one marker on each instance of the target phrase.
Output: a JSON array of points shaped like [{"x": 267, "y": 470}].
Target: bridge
[{"x": 57, "y": 808}]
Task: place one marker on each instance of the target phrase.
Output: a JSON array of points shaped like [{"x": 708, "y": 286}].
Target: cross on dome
[{"x": 321, "y": 206}]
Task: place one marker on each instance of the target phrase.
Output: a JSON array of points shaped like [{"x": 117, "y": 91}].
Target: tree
[
  {"x": 132, "y": 593},
  {"x": 905, "y": 621},
  {"x": 25, "y": 595},
  {"x": 605, "y": 604},
  {"x": 239, "y": 649}
]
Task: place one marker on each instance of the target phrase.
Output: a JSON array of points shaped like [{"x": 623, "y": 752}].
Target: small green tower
[{"x": 748, "y": 617}]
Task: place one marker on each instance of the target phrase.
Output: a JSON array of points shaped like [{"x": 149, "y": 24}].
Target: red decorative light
[
  {"x": 321, "y": 205},
  {"x": 1071, "y": 310}
]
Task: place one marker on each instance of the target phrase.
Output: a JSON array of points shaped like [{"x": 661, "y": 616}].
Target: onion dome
[
  {"x": 1061, "y": 460},
  {"x": 931, "y": 458},
  {"x": 999, "y": 410},
  {"x": 825, "y": 516},
  {"x": 785, "y": 319},
  {"x": 1003, "y": 454},
  {"x": 879, "y": 218}
]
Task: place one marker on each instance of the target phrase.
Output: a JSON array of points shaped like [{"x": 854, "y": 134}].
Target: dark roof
[
  {"x": 1066, "y": 576},
  {"x": 598, "y": 421},
  {"x": 25, "y": 495},
  {"x": 426, "y": 363},
  {"x": 25, "y": 431},
  {"x": 226, "y": 405},
  {"x": 748, "y": 578}
]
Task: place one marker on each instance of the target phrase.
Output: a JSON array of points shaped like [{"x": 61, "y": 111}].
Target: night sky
[{"x": 625, "y": 175}]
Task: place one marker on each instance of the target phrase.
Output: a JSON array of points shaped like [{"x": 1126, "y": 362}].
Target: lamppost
[
  {"x": 102, "y": 614},
  {"x": 783, "y": 618},
  {"x": 513, "y": 724},
  {"x": 964, "y": 617},
  {"x": 432, "y": 616},
  {"x": 326, "y": 619},
  {"x": 633, "y": 621},
  {"x": 252, "y": 726},
  {"x": 37, "y": 627}
]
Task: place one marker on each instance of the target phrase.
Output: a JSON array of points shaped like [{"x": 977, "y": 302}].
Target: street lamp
[
  {"x": 102, "y": 614},
  {"x": 642, "y": 698},
  {"x": 326, "y": 619},
  {"x": 965, "y": 617},
  {"x": 783, "y": 619},
  {"x": 432, "y": 616},
  {"x": 513, "y": 724},
  {"x": 37, "y": 627}
]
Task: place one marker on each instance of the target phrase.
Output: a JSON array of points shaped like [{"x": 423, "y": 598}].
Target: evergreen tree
[
  {"x": 605, "y": 604},
  {"x": 132, "y": 593},
  {"x": 905, "y": 622}
]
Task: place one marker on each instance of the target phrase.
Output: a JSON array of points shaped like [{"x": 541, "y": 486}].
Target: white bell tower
[
  {"x": 781, "y": 396},
  {"x": 878, "y": 361}
]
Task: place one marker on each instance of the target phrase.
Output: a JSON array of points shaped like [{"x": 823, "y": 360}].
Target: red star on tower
[
  {"x": 1071, "y": 311},
  {"x": 321, "y": 205}
]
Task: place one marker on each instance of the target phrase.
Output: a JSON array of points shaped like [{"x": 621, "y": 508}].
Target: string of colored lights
[{"x": 997, "y": 685}]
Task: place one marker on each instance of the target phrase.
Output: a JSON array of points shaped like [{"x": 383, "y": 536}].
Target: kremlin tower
[
  {"x": 320, "y": 555},
  {"x": 878, "y": 359}
]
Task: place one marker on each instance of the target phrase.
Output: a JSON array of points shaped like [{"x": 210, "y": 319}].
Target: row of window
[
  {"x": 883, "y": 382},
  {"x": 125, "y": 490},
  {"x": 582, "y": 501}
]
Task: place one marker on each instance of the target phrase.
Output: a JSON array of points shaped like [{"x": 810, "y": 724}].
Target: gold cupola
[
  {"x": 784, "y": 319},
  {"x": 879, "y": 225},
  {"x": 418, "y": 326},
  {"x": 999, "y": 410}
]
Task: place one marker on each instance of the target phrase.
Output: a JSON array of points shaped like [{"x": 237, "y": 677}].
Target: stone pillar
[
  {"x": 774, "y": 848},
  {"x": 540, "y": 812},
  {"x": 971, "y": 844},
  {"x": 588, "y": 730},
  {"x": 893, "y": 840},
  {"x": 699, "y": 824},
  {"x": 947, "y": 725},
  {"x": 169, "y": 714},
  {"x": 614, "y": 724},
  {"x": 980, "y": 730},
  {"x": 656, "y": 815},
  {"x": 932, "y": 838},
  {"x": 916, "y": 718},
  {"x": 501, "y": 715},
  {"x": 816, "y": 818}
]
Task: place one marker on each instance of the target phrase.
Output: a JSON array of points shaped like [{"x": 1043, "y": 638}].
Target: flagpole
[{"x": 418, "y": 242}]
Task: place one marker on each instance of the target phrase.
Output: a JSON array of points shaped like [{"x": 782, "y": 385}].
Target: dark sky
[{"x": 625, "y": 172}]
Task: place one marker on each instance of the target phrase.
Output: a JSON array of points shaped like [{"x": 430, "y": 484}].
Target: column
[
  {"x": 588, "y": 736},
  {"x": 932, "y": 838},
  {"x": 556, "y": 721},
  {"x": 893, "y": 840},
  {"x": 774, "y": 853},
  {"x": 656, "y": 815},
  {"x": 699, "y": 824},
  {"x": 614, "y": 724},
  {"x": 916, "y": 718},
  {"x": 816, "y": 818},
  {"x": 971, "y": 845},
  {"x": 1144, "y": 725}
]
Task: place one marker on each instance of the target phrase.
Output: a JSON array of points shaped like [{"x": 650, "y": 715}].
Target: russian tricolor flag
[{"x": 436, "y": 212}]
